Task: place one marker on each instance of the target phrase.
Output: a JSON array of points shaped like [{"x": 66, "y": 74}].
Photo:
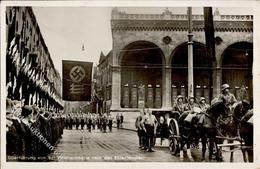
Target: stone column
[
  {"x": 116, "y": 87},
  {"x": 166, "y": 87}
]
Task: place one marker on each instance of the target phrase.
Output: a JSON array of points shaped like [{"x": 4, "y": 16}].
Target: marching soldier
[
  {"x": 77, "y": 121},
  {"x": 82, "y": 122},
  {"x": 94, "y": 121},
  {"x": 104, "y": 123},
  {"x": 149, "y": 123},
  {"x": 118, "y": 120},
  {"x": 110, "y": 122}
]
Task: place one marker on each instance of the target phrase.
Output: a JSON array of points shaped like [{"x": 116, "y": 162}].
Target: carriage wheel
[{"x": 174, "y": 137}]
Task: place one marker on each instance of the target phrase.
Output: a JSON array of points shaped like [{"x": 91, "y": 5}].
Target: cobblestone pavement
[{"x": 116, "y": 146}]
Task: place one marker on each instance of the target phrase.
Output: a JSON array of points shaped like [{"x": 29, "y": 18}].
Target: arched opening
[
  {"x": 202, "y": 71},
  {"x": 237, "y": 60},
  {"x": 141, "y": 75}
]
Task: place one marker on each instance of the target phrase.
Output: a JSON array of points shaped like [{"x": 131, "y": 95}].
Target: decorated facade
[{"x": 30, "y": 72}]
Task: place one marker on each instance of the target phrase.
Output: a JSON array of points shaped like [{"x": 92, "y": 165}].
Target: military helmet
[
  {"x": 179, "y": 97},
  {"x": 225, "y": 86},
  {"x": 191, "y": 97},
  {"x": 202, "y": 98}
]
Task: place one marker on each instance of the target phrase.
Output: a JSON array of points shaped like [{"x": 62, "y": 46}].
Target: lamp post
[{"x": 190, "y": 54}]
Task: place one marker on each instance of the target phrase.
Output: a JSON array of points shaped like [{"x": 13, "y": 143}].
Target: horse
[
  {"x": 246, "y": 133},
  {"x": 231, "y": 124},
  {"x": 203, "y": 125}
]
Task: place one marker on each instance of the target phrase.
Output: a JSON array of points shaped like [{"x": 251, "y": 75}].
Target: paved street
[{"x": 119, "y": 146}]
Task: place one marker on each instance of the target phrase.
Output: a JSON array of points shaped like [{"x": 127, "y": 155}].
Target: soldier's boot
[
  {"x": 189, "y": 155},
  {"x": 181, "y": 155}
]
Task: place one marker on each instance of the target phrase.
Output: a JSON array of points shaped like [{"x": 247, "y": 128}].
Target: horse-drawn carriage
[{"x": 186, "y": 129}]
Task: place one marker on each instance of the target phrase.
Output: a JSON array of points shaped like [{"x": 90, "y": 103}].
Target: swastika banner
[{"x": 76, "y": 80}]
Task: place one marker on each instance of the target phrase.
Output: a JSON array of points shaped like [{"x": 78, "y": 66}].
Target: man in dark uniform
[
  {"x": 82, "y": 122},
  {"x": 89, "y": 124},
  {"x": 104, "y": 123},
  {"x": 110, "y": 122},
  {"x": 118, "y": 120},
  {"x": 140, "y": 130},
  {"x": 77, "y": 121}
]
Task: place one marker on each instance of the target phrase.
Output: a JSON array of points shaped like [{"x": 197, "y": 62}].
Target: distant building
[
  {"x": 150, "y": 56},
  {"x": 103, "y": 84}
]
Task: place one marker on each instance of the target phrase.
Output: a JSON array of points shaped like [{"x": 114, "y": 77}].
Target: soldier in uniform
[
  {"x": 110, "y": 122},
  {"x": 228, "y": 98},
  {"x": 140, "y": 130},
  {"x": 82, "y": 121},
  {"x": 94, "y": 121},
  {"x": 230, "y": 102},
  {"x": 104, "y": 123},
  {"x": 203, "y": 105},
  {"x": 89, "y": 123},
  {"x": 179, "y": 105},
  {"x": 149, "y": 123},
  {"x": 190, "y": 105},
  {"x": 117, "y": 120},
  {"x": 77, "y": 121},
  {"x": 121, "y": 119}
]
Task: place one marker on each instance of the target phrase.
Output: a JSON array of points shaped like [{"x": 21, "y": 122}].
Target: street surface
[{"x": 116, "y": 146}]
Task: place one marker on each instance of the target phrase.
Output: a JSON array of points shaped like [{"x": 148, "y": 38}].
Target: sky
[{"x": 67, "y": 29}]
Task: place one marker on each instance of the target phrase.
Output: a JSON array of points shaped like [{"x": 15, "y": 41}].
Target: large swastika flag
[{"x": 76, "y": 80}]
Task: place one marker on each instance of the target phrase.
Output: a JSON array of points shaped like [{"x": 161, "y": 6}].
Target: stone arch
[
  {"x": 236, "y": 64},
  {"x": 202, "y": 66},
  {"x": 228, "y": 45},
  {"x": 141, "y": 63},
  {"x": 131, "y": 44}
]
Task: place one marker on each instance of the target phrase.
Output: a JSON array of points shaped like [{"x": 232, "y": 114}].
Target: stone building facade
[
  {"x": 30, "y": 72},
  {"x": 150, "y": 56}
]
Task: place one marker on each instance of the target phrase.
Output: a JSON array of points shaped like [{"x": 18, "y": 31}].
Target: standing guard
[
  {"x": 149, "y": 123},
  {"x": 140, "y": 130}
]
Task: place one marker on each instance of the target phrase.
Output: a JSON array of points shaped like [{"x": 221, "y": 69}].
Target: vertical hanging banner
[{"x": 77, "y": 80}]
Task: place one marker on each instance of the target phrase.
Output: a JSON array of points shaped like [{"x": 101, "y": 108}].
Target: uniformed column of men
[
  {"x": 80, "y": 120},
  {"x": 147, "y": 125},
  {"x": 32, "y": 132}
]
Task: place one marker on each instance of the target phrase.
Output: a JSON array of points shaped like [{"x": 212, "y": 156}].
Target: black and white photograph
[{"x": 128, "y": 84}]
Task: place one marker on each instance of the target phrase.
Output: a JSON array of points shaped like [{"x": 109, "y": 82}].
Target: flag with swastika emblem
[{"x": 76, "y": 80}]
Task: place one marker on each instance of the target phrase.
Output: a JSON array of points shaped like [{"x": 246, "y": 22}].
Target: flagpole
[{"x": 190, "y": 54}]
